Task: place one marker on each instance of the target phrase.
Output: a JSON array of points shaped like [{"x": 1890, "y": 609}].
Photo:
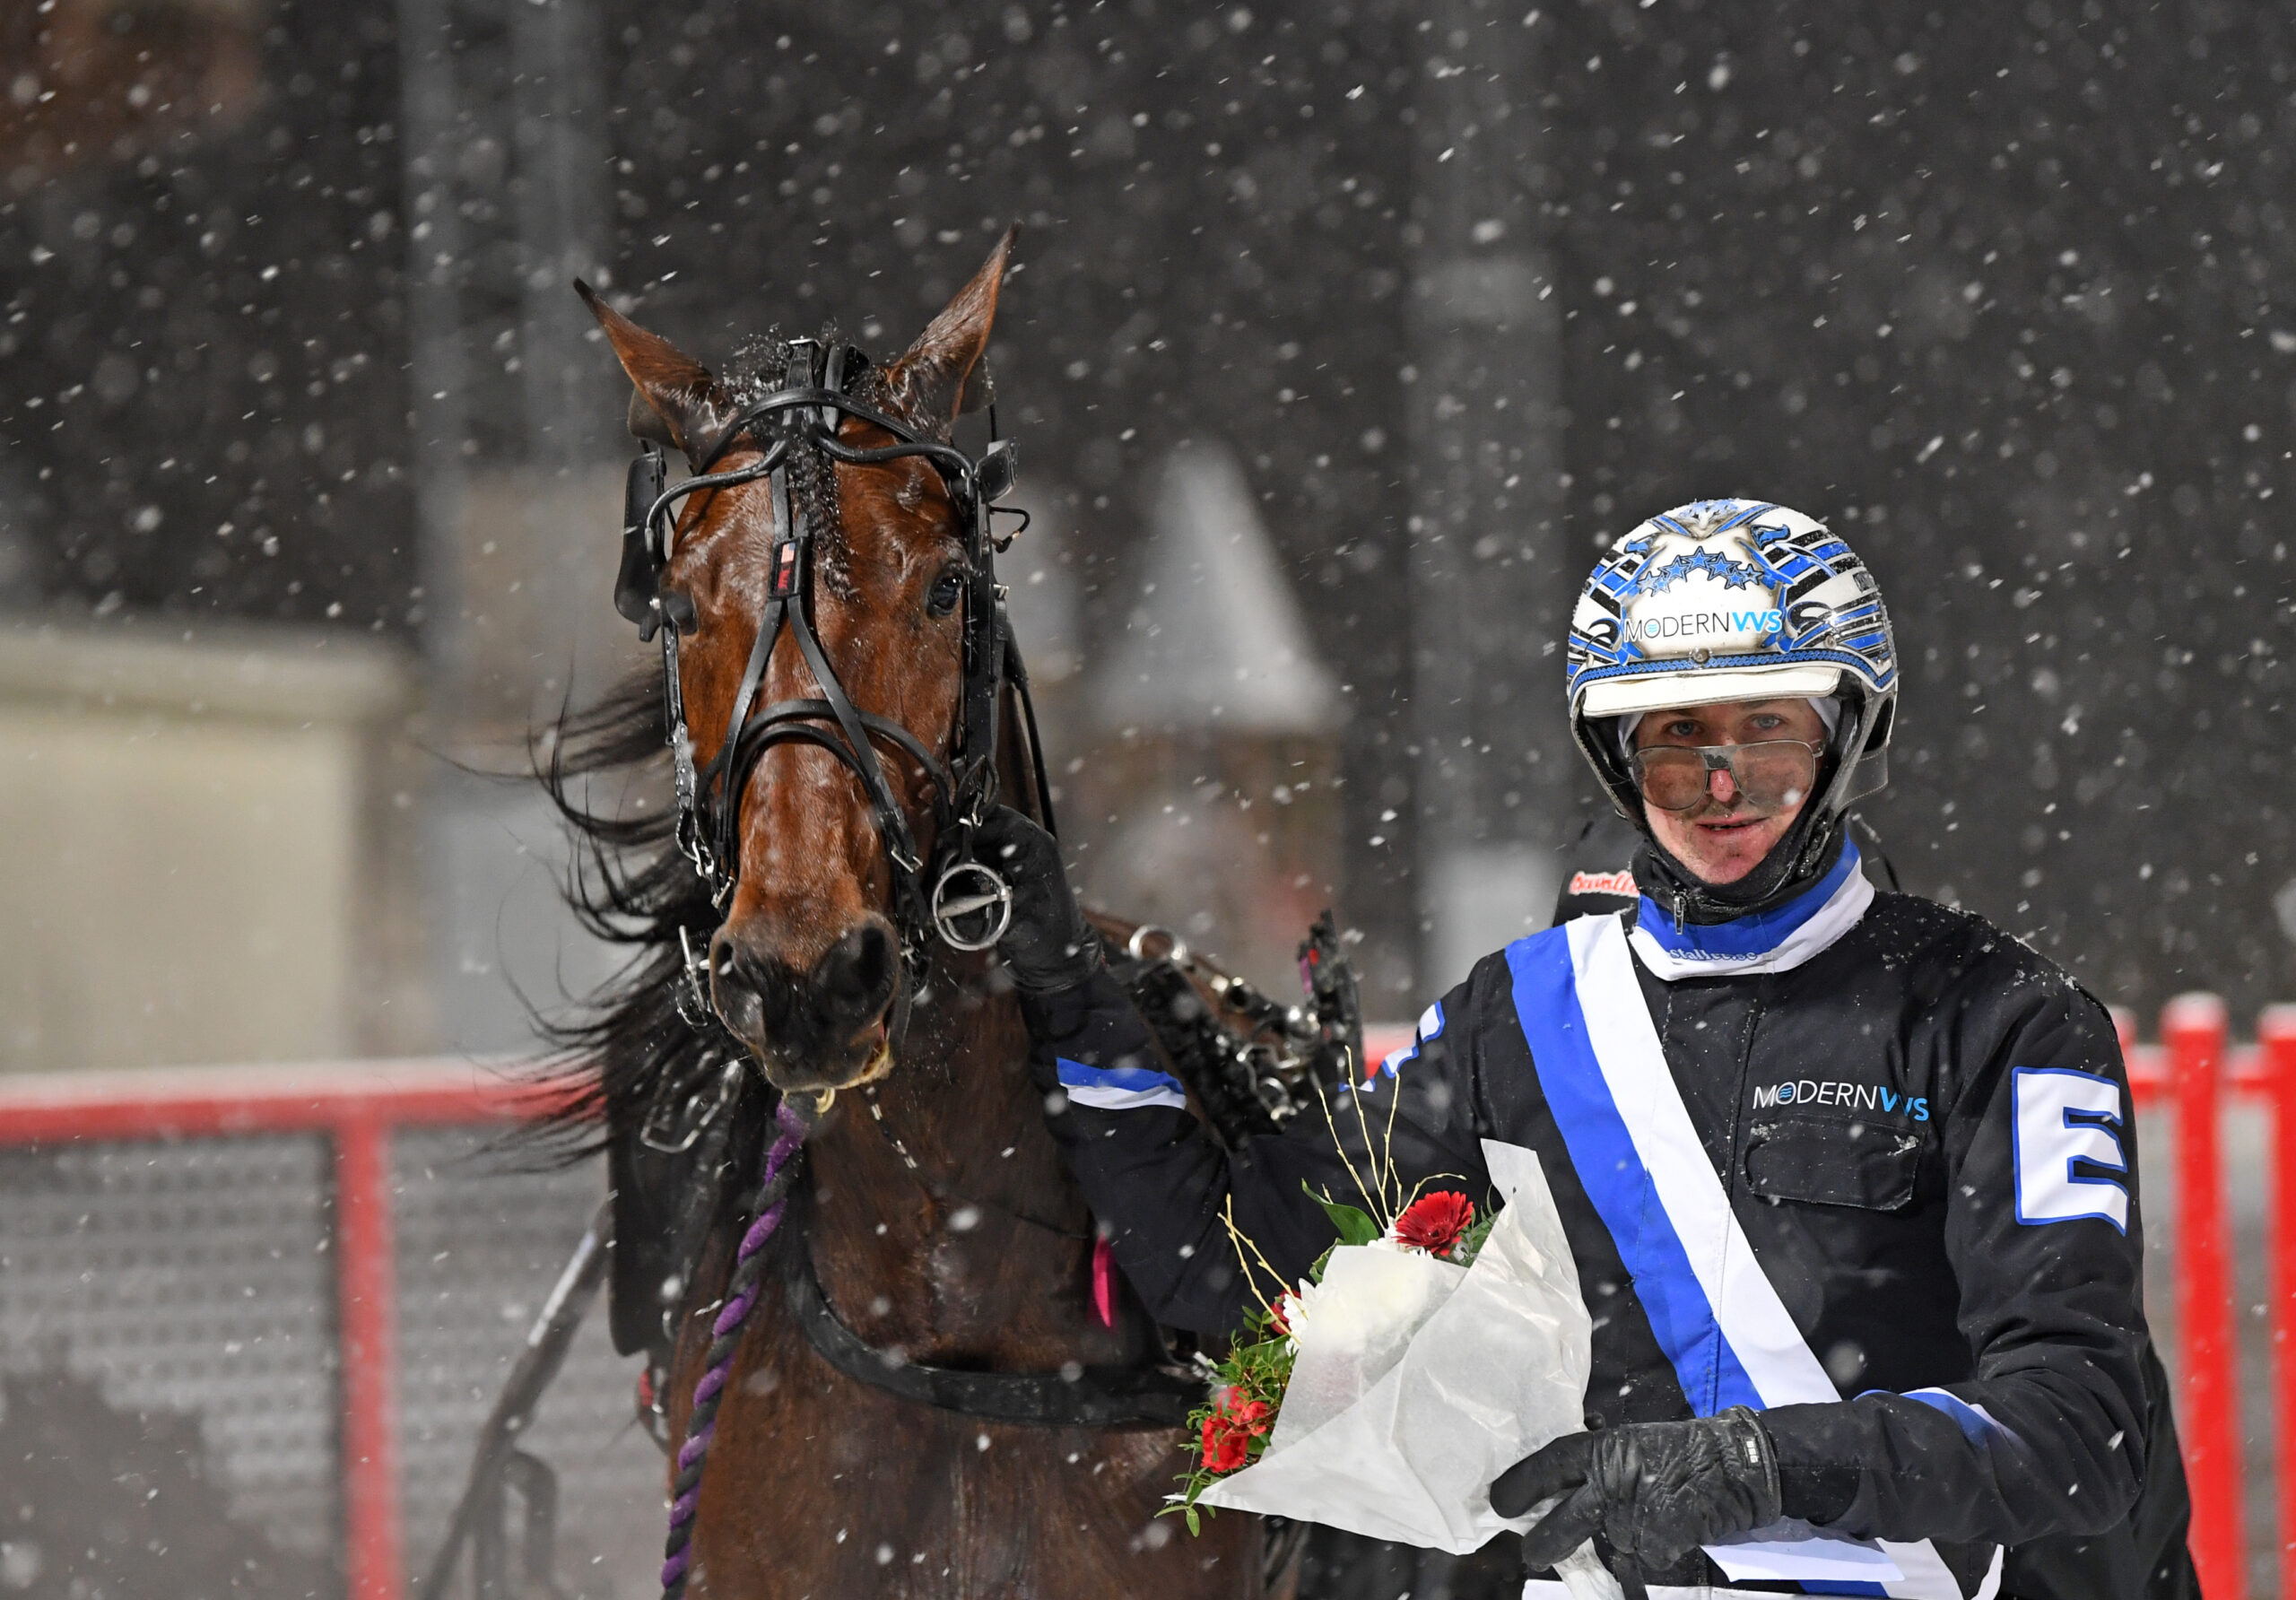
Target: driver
[{"x": 1849, "y": 1175}]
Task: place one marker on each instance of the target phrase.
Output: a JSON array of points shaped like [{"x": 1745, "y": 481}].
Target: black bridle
[{"x": 962, "y": 902}]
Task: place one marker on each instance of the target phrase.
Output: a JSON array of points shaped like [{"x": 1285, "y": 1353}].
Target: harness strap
[
  {"x": 984, "y": 635},
  {"x": 1097, "y": 1397},
  {"x": 1017, "y": 675},
  {"x": 892, "y": 820},
  {"x": 658, "y": 516},
  {"x": 787, "y": 546},
  {"x": 799, "y": 712},
  {"x": 724, "y": 771}
]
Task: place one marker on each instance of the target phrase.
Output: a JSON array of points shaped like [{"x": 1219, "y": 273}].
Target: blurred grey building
[
  {"x": 1209, "y": 780},
  {"x": 284, "y": 340}
]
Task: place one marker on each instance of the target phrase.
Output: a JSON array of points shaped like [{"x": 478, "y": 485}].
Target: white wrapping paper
[
  {"x": 1417, "y": 1383},
  {"x": 1359, "y": 1322}
]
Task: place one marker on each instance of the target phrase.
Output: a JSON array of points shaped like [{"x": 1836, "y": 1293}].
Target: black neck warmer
[{"x": 1807, "y": 853}]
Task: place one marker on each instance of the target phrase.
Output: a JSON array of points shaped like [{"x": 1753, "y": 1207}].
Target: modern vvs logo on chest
[{"x": 1855, "y": 1096}]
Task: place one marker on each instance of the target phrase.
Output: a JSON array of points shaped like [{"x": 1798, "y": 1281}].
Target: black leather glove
[
  {"x": 1656, "y": 1489},
  {"x": 1049, "y": 946}
]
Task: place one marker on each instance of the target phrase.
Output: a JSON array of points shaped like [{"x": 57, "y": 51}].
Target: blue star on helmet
[{"x": 1735, "y": 575}]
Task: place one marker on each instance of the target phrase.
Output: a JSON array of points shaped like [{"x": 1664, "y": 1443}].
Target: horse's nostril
[
  {"x": 806, "y": 1019},
  {"x": 752, "y": 996},
  {"x": 740, "y": 1011},
  {"x": 856, "y": 975},
  {"x": 878, "y": 957},
  {"x": 739, "y": 1004}
]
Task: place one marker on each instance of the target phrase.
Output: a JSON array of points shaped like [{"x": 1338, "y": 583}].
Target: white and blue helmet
[{"x": 1733, "y": 600}]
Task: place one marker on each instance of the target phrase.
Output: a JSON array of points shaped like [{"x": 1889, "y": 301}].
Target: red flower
[
  {"x": 1230, "y": 1429},
  {"x": 1434, "y": 1221}
]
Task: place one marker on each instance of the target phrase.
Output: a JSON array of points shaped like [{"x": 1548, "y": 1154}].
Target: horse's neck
[{"x": 981, "y": 1250}]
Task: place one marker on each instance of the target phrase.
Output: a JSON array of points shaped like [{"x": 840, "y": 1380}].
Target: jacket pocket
[{"x": 1832, "y": 1163}]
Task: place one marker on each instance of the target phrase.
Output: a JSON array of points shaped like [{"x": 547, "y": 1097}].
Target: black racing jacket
[{"x": 1880, "y": 1195}]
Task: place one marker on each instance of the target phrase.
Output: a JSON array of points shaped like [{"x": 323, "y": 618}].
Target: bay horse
[{"x": 932, "y": 1210}]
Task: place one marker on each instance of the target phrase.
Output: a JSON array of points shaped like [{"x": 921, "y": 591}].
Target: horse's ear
[
  {"x": 941, "y": 375},
  {"x": 677, "y": 402}
]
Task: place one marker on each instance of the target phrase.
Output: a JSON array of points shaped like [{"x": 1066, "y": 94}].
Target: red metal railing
[
  {"x": 2276, "y": 1046},
  {"x": 2192, "y": 1036},
  {"x": 359, "y": 1105},
  {"x": 2189, "y": 1073}
]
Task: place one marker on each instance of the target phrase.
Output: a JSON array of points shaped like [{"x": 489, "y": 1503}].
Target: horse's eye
[{"x": 947, "y": 590}]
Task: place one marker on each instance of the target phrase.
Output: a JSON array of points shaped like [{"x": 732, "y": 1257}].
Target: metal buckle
[
  {"x": 672, "y": 1127},
  {"x": 1136, "y": 946},
  {"x": 690, "y": 991},
  {"x": 991, "y": 900},
  {"x": 692, "y": 845},
  {"x": 696, "y": 849}
]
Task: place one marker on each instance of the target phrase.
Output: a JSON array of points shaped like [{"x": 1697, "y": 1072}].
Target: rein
[{"x": 766, "y": 1210}]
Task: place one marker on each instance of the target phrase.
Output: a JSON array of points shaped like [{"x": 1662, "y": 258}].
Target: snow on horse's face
[{"x": 805, "y": 968}]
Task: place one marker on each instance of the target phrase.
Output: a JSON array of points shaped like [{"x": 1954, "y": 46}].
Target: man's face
[{"x": 1725, "y": 836}]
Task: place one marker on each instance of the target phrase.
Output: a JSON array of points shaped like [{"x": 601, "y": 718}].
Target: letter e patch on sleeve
[{"x": 2068, "y": 1139}]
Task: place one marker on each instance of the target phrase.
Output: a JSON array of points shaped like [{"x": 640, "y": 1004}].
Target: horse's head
[{"x": 806, "y": 967}]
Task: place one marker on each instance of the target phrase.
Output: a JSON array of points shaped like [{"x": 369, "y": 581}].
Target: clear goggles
[{"x": 1768, "y": 774}]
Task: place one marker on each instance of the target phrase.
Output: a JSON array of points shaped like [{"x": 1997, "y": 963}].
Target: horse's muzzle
[{"x": 824, "y": 1029}]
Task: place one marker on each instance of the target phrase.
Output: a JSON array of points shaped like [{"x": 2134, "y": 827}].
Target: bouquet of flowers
[{"x": 1429, "y": 1351}]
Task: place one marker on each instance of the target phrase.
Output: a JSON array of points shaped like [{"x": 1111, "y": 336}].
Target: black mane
[{"x": 606, "y": 768}]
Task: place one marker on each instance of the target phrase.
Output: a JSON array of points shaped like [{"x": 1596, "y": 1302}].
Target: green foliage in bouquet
[
  {"x": 1230, "y": 1430},
  {"x": 1355, "y": 1227},
  {"x": 1470, "y": 1243}
]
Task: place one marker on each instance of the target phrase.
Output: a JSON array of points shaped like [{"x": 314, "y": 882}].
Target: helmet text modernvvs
[{"x": 1705, "y": 622}]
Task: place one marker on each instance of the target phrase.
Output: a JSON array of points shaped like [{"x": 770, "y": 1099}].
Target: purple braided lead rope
[{"x": 765, "y": 1212}]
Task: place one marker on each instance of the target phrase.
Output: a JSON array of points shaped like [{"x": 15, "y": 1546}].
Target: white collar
[{"x": 1673, "y": 952}]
